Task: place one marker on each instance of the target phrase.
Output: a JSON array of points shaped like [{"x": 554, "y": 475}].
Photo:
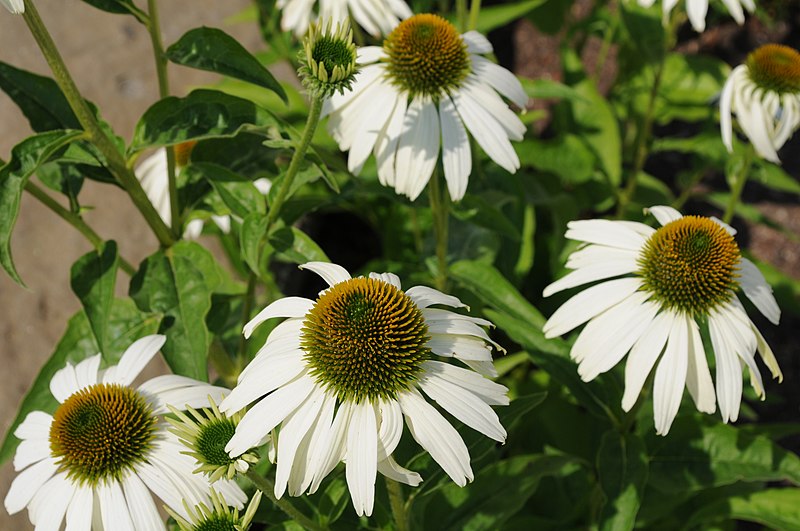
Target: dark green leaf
[
  {"x": 178, "y": 282},
  {"x": 254, "y": 228},
  {"x": 26, "y": 157},
  {"x": 622, "y": 470},
  {"x": 495, "y": 16},
  {"x": 566, "y": 156},
  {"x": 599, "y": 129},
  {"x": 214, "y": 50},
  {"x": 39, "y": 99},
  {"x": 548, "y": 88},
  {"x": 498, "y": 492},
  {"x": 202, "y": 114},
  {"x": 696, "y": 457},
  {"x": 293, "y": 245},
  {"x": 479, "y": 211},
  {"x": 120, "y": 7},
  {"x": 93, "y": 279},
  {"x": 773, "y": 176},
  {"x": 126, "y": 324}
]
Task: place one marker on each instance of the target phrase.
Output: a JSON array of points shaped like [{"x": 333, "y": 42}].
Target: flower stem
[
  {"x": 75, "y": 220},
  {"x": 440, "y": 208},
  {"x": 268, "y": 488},
  {"x": 461, "y": 15},
  {"x": 738, "y": 180},
  {"x": 114, "y": 159},
  {"x": 398, "y": 504},
  {"x": 474, "y": 13},
  {"x": 294, "y": 165},
  {"x": 154, "y": 28}
]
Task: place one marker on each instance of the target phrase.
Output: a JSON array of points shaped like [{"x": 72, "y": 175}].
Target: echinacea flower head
[
  {"x": 764, "y": 93},
  {"x": 219, "y": 517},
  {"x": 655, "y": 289},
  {"x": 329, "y": 60},
  {"x": 17, "y": 7},
  {"x": 153, "y": 174},
  {"x": 97, "y": 459},
  {"x": 341, "y": 372},
  {"x": 697, "y": 10},
  {"x": 424, "y": 89},
  {"x": 377, "y": 17},
  {"x": 206, "y": 433}
]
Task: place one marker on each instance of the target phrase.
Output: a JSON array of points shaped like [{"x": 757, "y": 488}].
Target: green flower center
[
  {"x": 776, "y": 68},
  {"x": 212, "y": 439},
  {"x": 426, "y": 56},
  {"x": 217, "y": 522},
  {"x": 333, "y": 53},
  {"x": 365, "y": 339},
  {"x": 690, "y": 265},
  {"x": 101, "y": 431}
]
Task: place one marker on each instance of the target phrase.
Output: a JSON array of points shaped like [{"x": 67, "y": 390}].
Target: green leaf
[
  {"x": 774, "y": 177},
  {"x": 774, "y": 508},
  {"x": 548, "y": 88},
  {"x": 493, "y": 17},
  {"x": 498, "y": 493},
  {"x": 689, "y": 85},
  {"x": 178, "y": 282},
  {"x": 493, "y": 288},
  {"x": 254, "y": 228},
  {"x": 126, "y": 324},
  {"x": 93, "y": 278},
  {"x": 39, "y": 99},
  {"x": 293, "y": 245},
  {"x": 566, "y": 156},
  {"x": 599, "y": 129},
  {"x": 479, "y": 211},
  {"x": 237, "y": 191},
  {"x": 200, "y": 115},
  {"x": 214, "y": 50},
  {"x": 120, "y": 7},
  {"x": 622, "y": 471},
  {"x": 26, "y": 157},
  {"x": 696, "y": 457}
]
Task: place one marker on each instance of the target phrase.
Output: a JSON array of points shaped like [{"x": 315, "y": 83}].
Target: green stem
[
  {"x": 297, "y": 158},
  {"x": 268, "y": 488},
  {"x": 440, "y": 208},
  {"x": 686, "y": 193},
  {"x": 398, "y": 504},
  {"x": 114, "y": 159},
  {"x": 154, "y": 28},
  {"x": 737, "y": 185},
  {"x": 247, "y": 309},
  {"x": 474, "y": 13},
  {"x": 461, "y": 15},
  {"x": 605, "y": 47},
  {"x": 75, "y": 220}
]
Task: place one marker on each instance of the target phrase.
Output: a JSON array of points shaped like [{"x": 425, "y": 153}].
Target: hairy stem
[
  {"x": 737, "y": 182},
  {"x": 268, "y": 488},
  {"x": 398, "y": 504},
  {"x": 440, "y": 208}
]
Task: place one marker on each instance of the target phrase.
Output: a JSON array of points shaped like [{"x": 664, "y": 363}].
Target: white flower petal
[
  {"x": 113, "y": 508},
  {"x": 432, "y": 431},
  {"x": 600, "y": 270},
  {"x": 461, "y": 347},
  {"x": 418, "y": 148},
  {"x": 86, "y": 372},
  {"x": 606, "y": 232},
  {"x": 664, "y": 214},
  {"x": 262, "y": 380},
  {"x": 500, "y": 79},
  {"x": 16, "y": 7},
  {"x": 334, "y": 442},
  {"x": 142, "y": 509},
  {"x": 311, "y": 451},
  {"x": 285, "y": 307},
  {"x": 698, "y": 377},
  {"x": 35, "y": 426},
  {"x": 456, "y": 152},
  {"x": 27, "y": 483},
  {"x": 643, "y": 357},
  {"x": 423, "y": 296},
  {"x": 369, "y": 54},
  {"x": 134, "y": 359},
  {"x": 729, "y": 371},
  {"x": 390, "y": 420},
  {"x": 386, "y": 144},
  {"x": 375, "y": 113},
  {"x": 47, "y": 508},
  {"x": 362, "y": 457},
  {"x": 330, "y": 273},
  {"x": 64, "y": 383},
  {"x": 725, "y": 109},
  {"x": 476, "y": 43},
  {"x": 696, "y": 10},
  {"x": 293, "y": 430},
  {"x": 490, "y": 392},
  {"x": 180, "y": 392},
  {"x": 81, "y": 509},
  {"x": 758, "y": 291},
  {"x": 31, "y": 451},
  {"x": 389, "y": 468},
  {"x": 389, "y": 278},
  {"x": 671, "y": 376}
]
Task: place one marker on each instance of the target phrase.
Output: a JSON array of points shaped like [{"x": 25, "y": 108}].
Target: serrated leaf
[
  {"x": 498, "y": 493},
  {"x": 214, "y": 50},
  {"x": 126, "y": 324},
  {"x": 200, "y": 115},
  {"x": 622, "y": 471},
  {"x": 26, "y": 157},
  {"x": 294, "y": 245},
  {"x": 93, "y": 278},
  {"x": 696, "y": 457},
  {"x": 178, "y": 282}
]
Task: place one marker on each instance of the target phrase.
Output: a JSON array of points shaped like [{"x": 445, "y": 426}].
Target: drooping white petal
[
  {"x": 334, "y": 443},
  {"x": 27, "y": 482},
  {"x": 180, "y": 392},
  {"x": 461, "y": 347},
  {"x": 758, "y": 291},
  {"x": 476, "y": 43},
  {"x": 113, "y": 508},
  {"x": 768, "y": 356},
  {"x": 47, "y": 508},
  {"x": 386, "y": 144},
  {"x": 671, "y": 376},
  {"x": 423, "y": 296},
  {"x": 389, "y": 468},
  {"x": 456, "y": 153},
  {"x": 261, "y": 380},
  {"x": 81, "y": 508},
  {"x": 285, "y": 307},
  {"x": 376, "y": 112},
  {"x": 330, "y": 273},
  {"x": 698, "y": 377},
  {"x": 643, "y": 357},
  {"x": 600, "y": 270},
  {"x": 369, "y": 54},
  {"x": 362, "y": 457},
  {"x": 417, "y": 148},
  {"x": 500, "y": 79},
  {"x": 142, "y": 509},
  {"x": 311, "y": 447},
  {"x": 735, "y": 9},
  {"x": 390, "y": 421},
  {"x": 725, "y": 109},
  {"x": 697, "y": 10},
  {"x": 729, "y": 371},
  {"x": 432, "y": 431},
  {"x": 589, "y": 303},
  {"x": 490, "y": 392}
]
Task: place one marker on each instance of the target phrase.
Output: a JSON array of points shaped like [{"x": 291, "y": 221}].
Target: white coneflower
[
  {"x": 17, "y": 7},
  {"x": 98, "y": 457},
  {"x": 218, "y": 517},
  {"x": 764, "y": 93},
  {"x": 378, "y": 17},
  {"x": 697, "y": 10},
  {"x": 424, "y": 89},
  {"x": 671, "y": 280},
  {"x": 342, "y": 371},
  {"x": 154, "y": 177}
]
